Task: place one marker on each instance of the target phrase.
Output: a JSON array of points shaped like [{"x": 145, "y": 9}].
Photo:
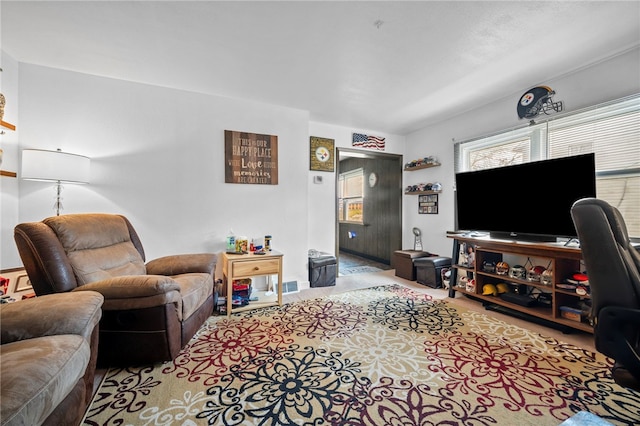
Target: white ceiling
[{"x": 422, "y": 62}]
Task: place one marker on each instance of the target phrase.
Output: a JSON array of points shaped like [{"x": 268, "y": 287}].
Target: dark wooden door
[{"x": 381, "y": 233}]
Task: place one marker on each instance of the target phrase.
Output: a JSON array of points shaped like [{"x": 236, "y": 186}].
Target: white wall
[
  {"x": 607, "y": 80},
  {"x": 322, "y": 208},
  {"x": 158, "y": 157}
]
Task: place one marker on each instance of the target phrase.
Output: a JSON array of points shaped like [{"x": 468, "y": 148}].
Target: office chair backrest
[{"x": 612, "y": 263}]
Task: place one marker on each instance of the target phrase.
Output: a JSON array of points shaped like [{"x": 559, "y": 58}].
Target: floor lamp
[{"x": 55, "y": 166}]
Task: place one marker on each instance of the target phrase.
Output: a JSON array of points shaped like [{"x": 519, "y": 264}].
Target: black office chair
[{"x": 613, "y": 268}]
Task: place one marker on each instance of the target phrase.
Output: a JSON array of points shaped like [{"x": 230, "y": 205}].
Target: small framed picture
[
  {"x": 428, "y": 204},
  {"x": 321, "y": 154},
  {"x": 22, "y": 283}
]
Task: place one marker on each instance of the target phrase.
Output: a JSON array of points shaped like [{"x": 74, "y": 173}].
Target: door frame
[{"x": 358, "y": 153}]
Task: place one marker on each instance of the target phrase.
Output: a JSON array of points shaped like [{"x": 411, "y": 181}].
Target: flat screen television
[{"x": 528, "y": 202}]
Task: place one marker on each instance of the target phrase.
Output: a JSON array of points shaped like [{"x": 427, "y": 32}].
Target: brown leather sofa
[
  {"x": 150, "y": 310},
  {"x": 48, "y": 358}
]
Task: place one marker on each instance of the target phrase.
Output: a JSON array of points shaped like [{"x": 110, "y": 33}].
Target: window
[
  {"x": 610, "y": 130},
  {"x": 351, "y": 196}
]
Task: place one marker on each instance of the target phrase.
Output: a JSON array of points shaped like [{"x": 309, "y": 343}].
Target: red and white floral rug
[{"x": 380, "y": 356}]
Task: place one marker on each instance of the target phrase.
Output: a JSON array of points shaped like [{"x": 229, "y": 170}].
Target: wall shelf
[
  {"x": 8, "y": 174},
  {"x": 421, "y": 192},
  {"x": 7, "y": 125},
  {"x": 422, "y": 166}
]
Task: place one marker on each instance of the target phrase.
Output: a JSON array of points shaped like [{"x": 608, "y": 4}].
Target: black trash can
[
  {"x": 428, "y": 270},
  {"x": 322, "y": 270}
]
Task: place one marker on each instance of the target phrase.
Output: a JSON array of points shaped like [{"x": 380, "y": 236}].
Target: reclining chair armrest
[
  {"x": 183, "y": 264},
  {"x": 135, "y": 291},
  {"x": 49, "y": 315},
  {"x": 131, "y": 286},
  {"x": 616, "y": 320}
]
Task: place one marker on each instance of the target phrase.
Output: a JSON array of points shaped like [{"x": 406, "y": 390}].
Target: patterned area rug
[{"x": 380, "y": 356}]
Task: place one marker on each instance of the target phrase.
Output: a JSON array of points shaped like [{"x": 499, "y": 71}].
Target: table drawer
[{"x": 255, "y": 267}]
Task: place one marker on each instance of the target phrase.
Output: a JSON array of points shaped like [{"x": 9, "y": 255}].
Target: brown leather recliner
[
  {"x": 150, "y": 310},
  {"x": 48, "y": 350}
]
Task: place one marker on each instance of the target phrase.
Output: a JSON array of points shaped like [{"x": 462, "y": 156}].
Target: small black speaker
[{"x": 518, "y": 299}]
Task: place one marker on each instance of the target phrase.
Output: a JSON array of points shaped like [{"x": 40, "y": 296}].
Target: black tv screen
[{"x": 529, "y": 201}]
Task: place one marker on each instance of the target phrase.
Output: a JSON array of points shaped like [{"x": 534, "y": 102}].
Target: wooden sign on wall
[{"x": 250, "y": 158}]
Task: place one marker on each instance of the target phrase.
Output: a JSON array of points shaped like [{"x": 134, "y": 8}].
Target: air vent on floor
[{"x": 290, "y": 287}]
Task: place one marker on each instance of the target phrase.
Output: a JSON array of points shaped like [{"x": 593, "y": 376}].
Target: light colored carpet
[
  {"x": 359, "y": 270},
  {"x": 389, "y": 354}
]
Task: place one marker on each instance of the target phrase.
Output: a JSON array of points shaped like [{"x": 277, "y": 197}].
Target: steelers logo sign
[
  {"x": 322, "y": 154},
  {"x": 527, "y": 98}
]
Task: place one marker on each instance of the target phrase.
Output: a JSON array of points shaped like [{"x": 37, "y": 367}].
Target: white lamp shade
[{"x": 55, "y": 166}]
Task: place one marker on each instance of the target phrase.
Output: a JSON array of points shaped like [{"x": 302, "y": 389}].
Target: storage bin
[
  {"x": 322, "y": 270},
  {"x": 428, "y": 270},
  {"x": 570, "y": 313},
  {"x": 403, "y": 262}
]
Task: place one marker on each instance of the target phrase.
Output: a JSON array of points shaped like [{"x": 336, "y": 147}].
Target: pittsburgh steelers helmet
[
  {"x": 546, "y": 277},
  {"x": 502, "y": 268},
  {"x": 537, "y": 100}
]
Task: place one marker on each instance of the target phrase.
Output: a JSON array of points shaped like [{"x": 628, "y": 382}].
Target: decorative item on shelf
[
  {"x": 55, "y": 166},
  {"x": 534, "y": 273},
  {"x": 3, "y": 123},
  {"x": 420, "y": 162},
  {"x": 471, "y": 286},
  {"x": 417, "y": 241},
  {"x": 502, "y": 268},
  {"x": 518, "y": 272},
  {"x": 231, "y": 242},
  {"x": 242, "y": 245},
  {"x": 546, "y": 277},
  {"x": 462, "y": 282},
  {"x": 502, "y": 288},
  {"x": 578, "y": 282},
  {"x": 489, "y": 290},
  {"x": 422, "y": 187},
  {"x": 488, "y": 266},
  {"x": 445, "y": 276}
]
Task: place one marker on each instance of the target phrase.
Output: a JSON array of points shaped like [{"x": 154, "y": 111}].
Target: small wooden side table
[{"x": 237, "y": 266}]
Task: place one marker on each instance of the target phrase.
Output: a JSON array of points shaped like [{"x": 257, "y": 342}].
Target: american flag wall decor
[{"x": 365, "y": 141}]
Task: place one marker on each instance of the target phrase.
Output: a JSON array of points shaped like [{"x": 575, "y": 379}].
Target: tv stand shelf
[{"x": 563, "y": 261}]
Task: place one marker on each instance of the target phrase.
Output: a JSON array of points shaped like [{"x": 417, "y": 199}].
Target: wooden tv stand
[{"x": 562, "y": 260}]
